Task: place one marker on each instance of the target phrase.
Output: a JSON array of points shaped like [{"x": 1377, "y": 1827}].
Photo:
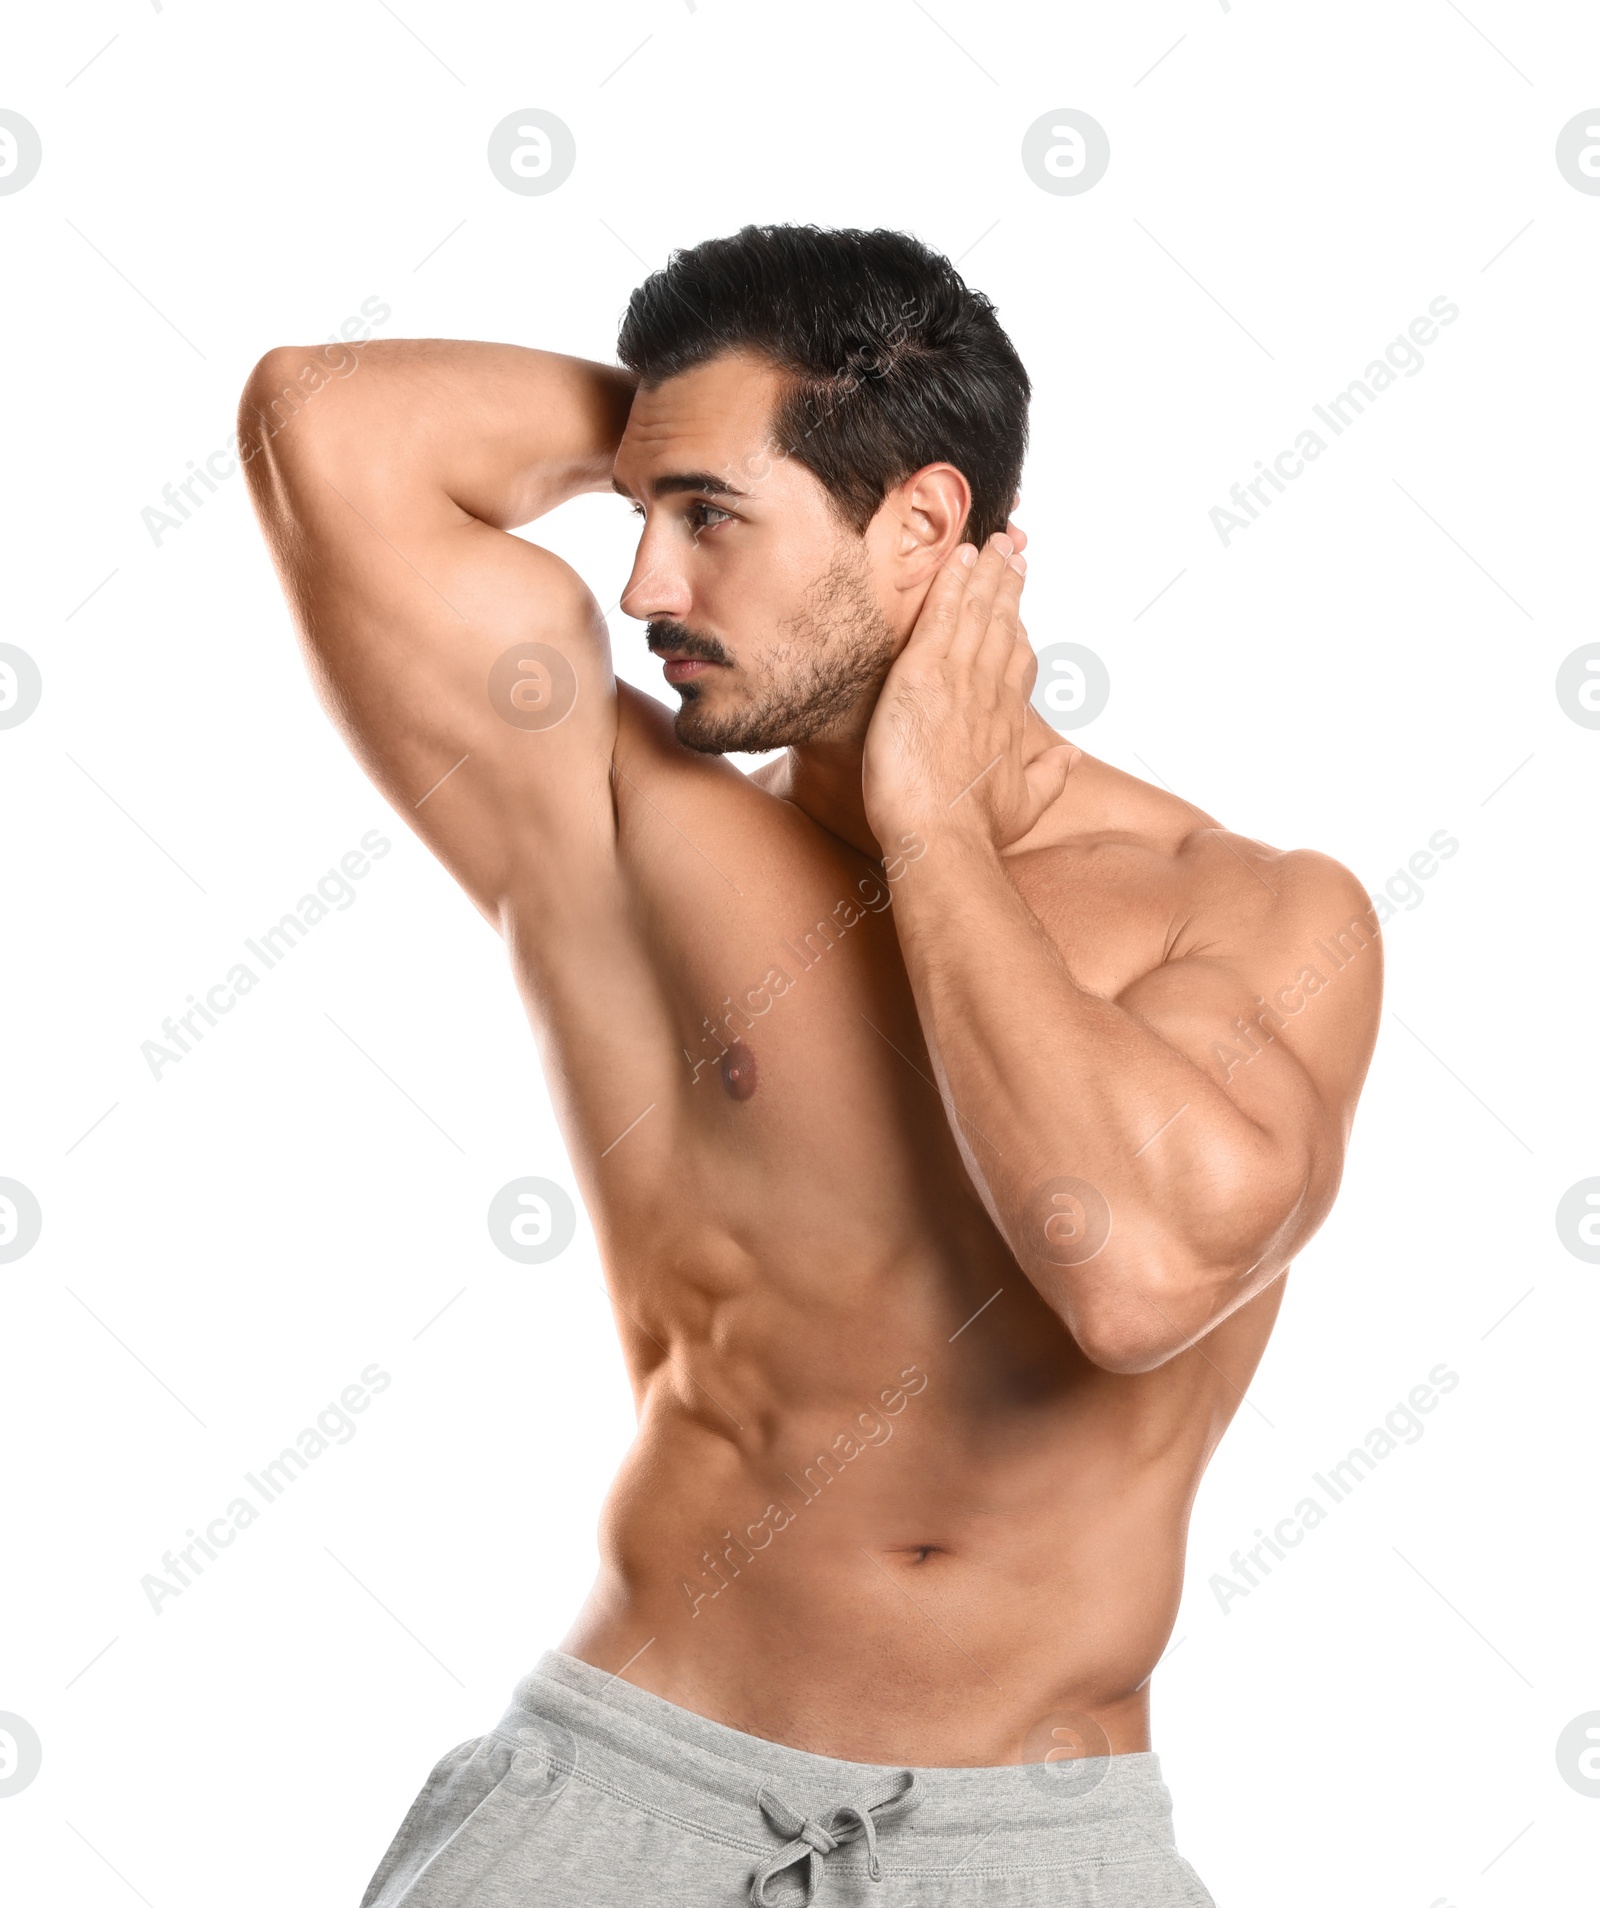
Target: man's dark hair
[{"x": 890, "y": 360}]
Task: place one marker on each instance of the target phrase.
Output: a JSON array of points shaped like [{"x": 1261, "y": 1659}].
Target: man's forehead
[{"x": 711, "y": 421}]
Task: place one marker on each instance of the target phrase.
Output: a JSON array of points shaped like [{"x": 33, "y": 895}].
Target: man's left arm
[{"x": 1153, "y": 1160}]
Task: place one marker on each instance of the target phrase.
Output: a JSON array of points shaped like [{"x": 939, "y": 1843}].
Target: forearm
[
  {"x": 503, "y": 432},
  {"x": 1047, "y": 1082}
]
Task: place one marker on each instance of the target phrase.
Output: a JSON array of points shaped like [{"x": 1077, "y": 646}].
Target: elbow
[
  {"x": 1154, "y": 1290},
  {"x": 273, "y": 378},
  {"x": 1138, "y": 1318},
  {"x": 291, "y": 386},
  {"x": 1118, "y": 1348},
  {"x": 271, "y": 367}
]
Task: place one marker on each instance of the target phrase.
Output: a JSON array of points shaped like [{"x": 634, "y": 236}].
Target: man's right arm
[{"x": 387, "y": 488}]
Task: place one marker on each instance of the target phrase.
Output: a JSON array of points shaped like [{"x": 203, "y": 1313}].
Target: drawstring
[{"x": 811, "y": 1841}]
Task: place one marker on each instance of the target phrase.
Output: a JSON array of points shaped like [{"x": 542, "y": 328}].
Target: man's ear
[{"x": 928, "y": 514}]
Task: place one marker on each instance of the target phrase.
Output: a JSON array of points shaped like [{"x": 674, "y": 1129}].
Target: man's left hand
[{"x": 952, "y": 745}]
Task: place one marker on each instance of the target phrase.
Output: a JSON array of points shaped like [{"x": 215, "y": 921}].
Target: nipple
[{"x": 738, "y": 1072}]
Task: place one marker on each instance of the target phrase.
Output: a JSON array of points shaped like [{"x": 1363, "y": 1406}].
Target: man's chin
[
  {"x": 764, "y": 723},
  {"x": 707, "y": 734}
]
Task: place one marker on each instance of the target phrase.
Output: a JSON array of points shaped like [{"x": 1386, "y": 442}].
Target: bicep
[
  {"x": 468, "y": 669},
  {"x": 1281, "y": 1018}
]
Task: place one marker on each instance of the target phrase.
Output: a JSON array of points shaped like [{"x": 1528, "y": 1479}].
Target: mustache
[{"x": 675, "y": 636}]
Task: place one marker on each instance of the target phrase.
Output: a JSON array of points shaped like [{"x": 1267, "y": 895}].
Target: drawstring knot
[{"x": 812, "y": 1840}]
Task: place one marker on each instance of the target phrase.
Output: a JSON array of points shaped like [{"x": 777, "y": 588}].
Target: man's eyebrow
[{"x": 672, "y": 482}]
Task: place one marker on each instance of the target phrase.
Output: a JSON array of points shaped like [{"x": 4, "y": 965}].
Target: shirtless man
[{"x": 948, "y": 1103}]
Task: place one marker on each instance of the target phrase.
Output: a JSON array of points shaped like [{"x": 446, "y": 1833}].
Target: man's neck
[{"x": 823, "y": 780}]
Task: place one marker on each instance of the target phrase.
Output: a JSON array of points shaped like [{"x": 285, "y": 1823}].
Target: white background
[{"x": 225, "y": 1249}]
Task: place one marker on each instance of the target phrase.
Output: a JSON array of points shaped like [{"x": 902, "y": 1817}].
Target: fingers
[
  {"x": 990, "y": 604},
  {"x": 1005, "y": 621},
  {"x": 939, "y": 617},
  {"x": 974, "y": 597}
]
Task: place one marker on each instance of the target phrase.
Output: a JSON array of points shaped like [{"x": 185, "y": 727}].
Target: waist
[
  {"x": 1061, "y": 1810},
  {"x": 975, "y": 1602}
]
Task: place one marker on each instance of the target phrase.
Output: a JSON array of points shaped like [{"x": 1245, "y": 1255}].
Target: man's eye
[{"x": 697, "y": 514}]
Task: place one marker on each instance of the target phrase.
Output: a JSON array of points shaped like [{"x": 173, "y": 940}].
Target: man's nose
[{"x": 656, "y": 589}]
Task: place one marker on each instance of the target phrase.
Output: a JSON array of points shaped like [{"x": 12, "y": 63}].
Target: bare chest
[{"x": 776, "y": 1004}]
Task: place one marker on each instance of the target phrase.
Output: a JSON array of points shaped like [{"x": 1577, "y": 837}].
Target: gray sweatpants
[{"x": 591, "y": 1793}]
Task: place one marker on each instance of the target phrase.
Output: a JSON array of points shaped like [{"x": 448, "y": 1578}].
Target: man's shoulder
[
  {"x": 705, "y": 806},
  {"x": 1249, "y": 922},
  {"x": 1223, "y": 890},
  {"x": 648, "y": 752},
  {"x": 1240, "y": 891}
]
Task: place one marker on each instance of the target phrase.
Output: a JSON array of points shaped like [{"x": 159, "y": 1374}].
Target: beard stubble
[{"x": 835, "y": 652}]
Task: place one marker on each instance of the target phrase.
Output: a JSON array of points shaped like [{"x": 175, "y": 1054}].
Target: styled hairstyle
[{"x": 890, "y": 361}]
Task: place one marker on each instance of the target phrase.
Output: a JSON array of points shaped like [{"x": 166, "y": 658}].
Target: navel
[
  {"x": 919, "y": 1553},
  {"x": 738, "y": 1072}
]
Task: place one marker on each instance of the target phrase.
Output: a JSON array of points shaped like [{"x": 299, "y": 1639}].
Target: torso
[{"x": 801, "y": 1268}]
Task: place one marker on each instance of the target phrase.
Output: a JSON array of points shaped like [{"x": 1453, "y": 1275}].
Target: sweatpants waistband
[{"x": 706, "y": 1775}]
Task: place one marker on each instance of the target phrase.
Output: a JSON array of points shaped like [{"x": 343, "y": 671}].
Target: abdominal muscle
[{"x": 929, "y": 1559}]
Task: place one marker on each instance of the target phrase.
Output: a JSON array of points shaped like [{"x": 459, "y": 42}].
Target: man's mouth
[
  {"x": 684, "y": 668},
  {"x": 683, "y": 654}
]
